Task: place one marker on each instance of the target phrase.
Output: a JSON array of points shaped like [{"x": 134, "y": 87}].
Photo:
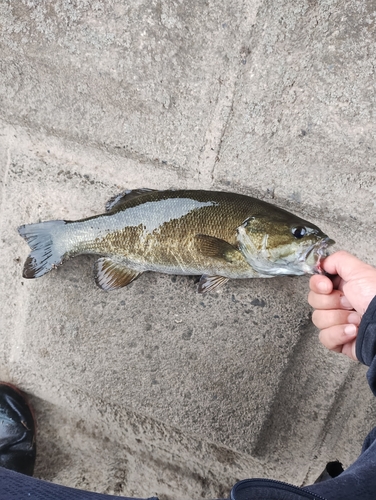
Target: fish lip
[{"x": 320, "y": 251}]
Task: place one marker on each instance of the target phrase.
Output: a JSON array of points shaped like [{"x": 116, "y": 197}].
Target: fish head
[{"x": 283, "y": 244}]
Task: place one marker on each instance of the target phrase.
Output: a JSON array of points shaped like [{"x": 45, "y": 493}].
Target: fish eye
[{"x": 299, "y": 232}]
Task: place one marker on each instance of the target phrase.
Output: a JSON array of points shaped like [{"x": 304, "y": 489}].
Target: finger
[
  {"x": 335, "y": 300},
  {"x": 341, "y": 263},
  {"x": 328, "y": 318},
  {"x": 319, "y": 283},
  {"x": 335, "y": 338},
  {"x": 349, "y": 349},
  {"x": 324, "y": 285}
]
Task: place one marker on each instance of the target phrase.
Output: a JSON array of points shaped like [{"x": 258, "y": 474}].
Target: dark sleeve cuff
[
  {"x": 366, "y": 340},
  {"x": 366, "y": 343}
]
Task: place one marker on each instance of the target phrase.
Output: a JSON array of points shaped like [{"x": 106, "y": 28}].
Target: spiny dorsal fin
[
  {"x": 210, "y": 283},
  {"x": 126, "y": 195},
  {"x": 110, "y": 275},
  {"x": 210, "y": 246}
]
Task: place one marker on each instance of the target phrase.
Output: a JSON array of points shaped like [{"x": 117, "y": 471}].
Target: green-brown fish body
[{"x": 217, "y": 235}]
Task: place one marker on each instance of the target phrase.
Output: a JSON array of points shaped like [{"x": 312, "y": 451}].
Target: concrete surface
[{"x": 155, "y": 389}]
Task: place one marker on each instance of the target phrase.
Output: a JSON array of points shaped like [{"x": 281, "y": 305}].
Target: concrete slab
[
  {"x": 303, "y": 125},
  {"x": 155, "y": 389},
  {"x": 104, "y": 74}
]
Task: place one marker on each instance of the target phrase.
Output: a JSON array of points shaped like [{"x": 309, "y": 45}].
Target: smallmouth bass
[{"x": 217, "y": 235}]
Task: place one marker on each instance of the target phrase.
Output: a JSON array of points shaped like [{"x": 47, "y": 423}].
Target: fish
[{"x": 213, "y": 234}]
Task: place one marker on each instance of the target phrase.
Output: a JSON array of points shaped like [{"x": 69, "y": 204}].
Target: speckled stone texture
[{"x": 155, "y": 389}]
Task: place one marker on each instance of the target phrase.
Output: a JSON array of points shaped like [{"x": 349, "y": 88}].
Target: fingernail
[
  {"x": 353, "y": 318},
  {"x": 350, "y": 329},
  {"x": 344, "y": 301}
]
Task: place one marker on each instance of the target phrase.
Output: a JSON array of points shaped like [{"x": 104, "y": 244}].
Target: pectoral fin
[
  {"x": 129, "y": 194},
  {"x": 110, "y": 275},
  {"x": 210, "y": 283},
  {"x": 210, "y": 246}
]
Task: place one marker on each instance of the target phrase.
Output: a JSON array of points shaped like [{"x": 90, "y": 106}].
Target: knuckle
[
  {"x": 324, "y": 339},
  {"x": 316, "y": 318},
  {"x": 311, "y": 298}
]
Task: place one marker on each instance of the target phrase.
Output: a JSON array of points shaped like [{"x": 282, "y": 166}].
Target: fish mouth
[{"x": 315, "y": 255}]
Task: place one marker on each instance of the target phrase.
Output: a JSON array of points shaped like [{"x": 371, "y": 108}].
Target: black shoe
[
  {"x": 17, "y": 431},
  {"x": 332, "y": 469}
]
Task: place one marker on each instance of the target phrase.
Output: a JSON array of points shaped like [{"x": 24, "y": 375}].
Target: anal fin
[
  {"x": 210, "y": 283},
  {"x": 110, "y": 275}
]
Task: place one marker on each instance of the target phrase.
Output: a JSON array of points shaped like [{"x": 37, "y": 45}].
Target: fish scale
[{"x": 215, "y": 234}]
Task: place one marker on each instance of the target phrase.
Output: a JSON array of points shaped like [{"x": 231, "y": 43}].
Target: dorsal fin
[
  {"x": 110, "y": 275},
  {"x": 125, "y": 196}
]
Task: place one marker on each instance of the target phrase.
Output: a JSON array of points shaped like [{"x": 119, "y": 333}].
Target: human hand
[{"x": 340, "y": 304}]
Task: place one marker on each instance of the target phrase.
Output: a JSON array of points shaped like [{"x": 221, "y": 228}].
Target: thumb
[
  {"x": 357, "y": 279},
  {"x": 342, "y": 263}
]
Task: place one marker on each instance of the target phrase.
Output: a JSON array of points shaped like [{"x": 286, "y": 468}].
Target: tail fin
[{"x": 43, "y": 240}]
